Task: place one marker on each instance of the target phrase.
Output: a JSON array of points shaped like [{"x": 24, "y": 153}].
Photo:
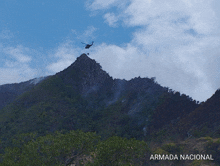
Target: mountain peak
[
  {"x": 87, "y": 65},
  {"x": 83, "y": 56},
  {"x": 86, "y": 73},
  {"x": 83, "y": 62}
]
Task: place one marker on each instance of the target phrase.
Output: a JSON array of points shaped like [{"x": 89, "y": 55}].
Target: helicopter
[{"x": 88, "y": 45}]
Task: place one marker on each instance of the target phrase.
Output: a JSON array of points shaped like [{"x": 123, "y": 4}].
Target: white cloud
[
  {"x": 19, "y": 53},
  {"x": 16, "y": 66},
  {"x": 101, "y": 4},
  {"x": 111, "y": 19},
  {"x": 12, "y": 75},
  {"x": 6, "y": 34},
  {"x": 89, "y": 32},
  {"x": 87, "y": 35},
  {"x": 176, "y": 41},
  {"x": 65, "y": 55},
  {"x": 16, "y": 60}
]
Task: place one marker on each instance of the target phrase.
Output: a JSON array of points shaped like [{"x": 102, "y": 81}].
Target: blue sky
[{"x": 175, "y": 41}]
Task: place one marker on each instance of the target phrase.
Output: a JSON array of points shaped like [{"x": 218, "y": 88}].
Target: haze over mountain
[{"x": 9, "y": 92}]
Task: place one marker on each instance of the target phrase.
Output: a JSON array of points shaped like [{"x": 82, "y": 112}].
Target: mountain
[
  {"x": 9, "y": 92},
  {"x": 204, "y": 120},
  {"x": 83, "y": 96}
]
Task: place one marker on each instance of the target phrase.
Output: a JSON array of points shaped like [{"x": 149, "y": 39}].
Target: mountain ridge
[
  {"x": 9, "y": 92},
  {"x": 84, "y": 97}
]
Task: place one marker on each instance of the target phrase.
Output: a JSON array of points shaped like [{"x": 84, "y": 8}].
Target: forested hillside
[{"x": 70, "y": 116}]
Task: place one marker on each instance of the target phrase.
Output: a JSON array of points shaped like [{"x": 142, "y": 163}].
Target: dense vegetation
[
  {"x": 81, "y": 115},
  {"x": 74, "y": 147},
  {"x": 80, "y": 148}
]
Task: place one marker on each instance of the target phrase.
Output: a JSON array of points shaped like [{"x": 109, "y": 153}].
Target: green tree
[
  {"x": 52, "y": 149},
  {"x": 117, "y": 151}
]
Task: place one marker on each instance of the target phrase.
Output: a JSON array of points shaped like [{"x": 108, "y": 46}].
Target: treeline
[{"x": 74, "y": 147}]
